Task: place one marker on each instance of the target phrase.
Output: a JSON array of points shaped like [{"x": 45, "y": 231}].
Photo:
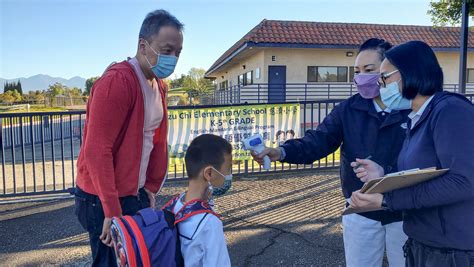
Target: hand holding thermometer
[{"x": 255, "y": 143}]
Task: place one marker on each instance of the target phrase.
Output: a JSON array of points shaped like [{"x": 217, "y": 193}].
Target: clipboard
[{"x": 394, "y": 181}]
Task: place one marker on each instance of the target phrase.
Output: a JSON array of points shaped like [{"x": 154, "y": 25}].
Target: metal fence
[
  {"x": 39, "y": 150},
  {"x": 262, "y": 92}
]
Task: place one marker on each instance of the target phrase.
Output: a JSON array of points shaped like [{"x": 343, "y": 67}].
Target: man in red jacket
[{"x": 124, "y": 159}]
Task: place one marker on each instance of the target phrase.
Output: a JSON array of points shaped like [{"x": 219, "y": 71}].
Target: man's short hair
[
  {"x": 206, "y": 150},
  {"x": 155, "y": 20}
]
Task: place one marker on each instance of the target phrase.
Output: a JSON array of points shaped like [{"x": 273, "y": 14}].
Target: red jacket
[{"x": 109, "y": 160}]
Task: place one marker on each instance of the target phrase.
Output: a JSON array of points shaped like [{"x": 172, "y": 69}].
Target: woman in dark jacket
[
  {"x": 362, "y": 126},
  {"x": 438, "y": 215}
]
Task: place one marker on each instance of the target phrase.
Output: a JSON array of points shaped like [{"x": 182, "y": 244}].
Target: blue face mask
[
  {"x": 219, "y": 191},
  {"x": 165, "y": 64},
  {"x": 392, "y": 98}
]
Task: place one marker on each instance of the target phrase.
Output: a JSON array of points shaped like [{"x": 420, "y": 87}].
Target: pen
[{"x": 359, "y": 164}]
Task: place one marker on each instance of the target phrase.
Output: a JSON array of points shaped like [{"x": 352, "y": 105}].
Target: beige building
[{"x": 290, "y": 60}]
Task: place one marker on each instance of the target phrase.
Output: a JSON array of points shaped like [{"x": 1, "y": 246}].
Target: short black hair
[
  {"x": 205, "y": 150},
  {"x": 419, "y": 68},
  {"x": 279, "y": 132},
  {"x": 291, "y": 132},
  {"x": 155, "y": 20},
  {"x": 376, "y": 44}
]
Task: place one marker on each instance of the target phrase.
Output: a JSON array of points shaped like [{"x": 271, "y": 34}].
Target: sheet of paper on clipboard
[{"x": 394, "y": 181}]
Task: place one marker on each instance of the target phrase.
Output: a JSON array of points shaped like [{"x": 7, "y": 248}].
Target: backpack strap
[
  {"x": 189, "y": 209},
  {"x": 142, "y": 248},
  {"x": 170, "y": 205},
  {"x": 192, "y": 208},
  {"x": 130, "y": 251}
]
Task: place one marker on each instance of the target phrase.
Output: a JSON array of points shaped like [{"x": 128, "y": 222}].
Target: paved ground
[{"x": 271, "y": 220}]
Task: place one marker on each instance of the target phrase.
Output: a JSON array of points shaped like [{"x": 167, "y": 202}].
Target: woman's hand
[
  {"x": 367, "y": 170},
  {"x": 366, "y": 201},
  {"x": 273, "y": 153}
]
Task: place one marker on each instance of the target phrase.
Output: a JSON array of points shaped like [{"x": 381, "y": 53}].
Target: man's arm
[{"x": 108, "y": 110}]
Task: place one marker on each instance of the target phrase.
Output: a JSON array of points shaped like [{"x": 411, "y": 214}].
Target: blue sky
[{"x": 66, "y": 38}]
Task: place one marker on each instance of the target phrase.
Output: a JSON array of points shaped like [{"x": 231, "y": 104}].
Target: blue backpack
[{"x": 150, "y": 238}]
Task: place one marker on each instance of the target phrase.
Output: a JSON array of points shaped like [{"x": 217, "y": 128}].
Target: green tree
[
  {"x": 195, "y": 84},
  {"x": 34, "y": 97},
  {"x": 7, "y": 97},
  {"x": 18, "y": 87},
  {"x": 72, "y": 93},
  {"x": 54, "y": 91},
  {"x": 12, "y": 87},
  {"x": 89, "y": 84},
  {"x": 18, "y": 97},
  {"x": 177, "y": 83},
  {"x": 448, "y": 12},
  {"x": 10, "y": 97},
  {"x": 6, "y": 87}
]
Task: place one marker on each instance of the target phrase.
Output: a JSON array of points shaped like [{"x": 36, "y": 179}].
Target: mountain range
[{"x": 42, "y": 82}]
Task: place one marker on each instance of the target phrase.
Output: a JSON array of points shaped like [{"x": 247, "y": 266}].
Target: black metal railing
[
  {"x": 39, "y": 150},
  {"x": 275, "y": 93}
]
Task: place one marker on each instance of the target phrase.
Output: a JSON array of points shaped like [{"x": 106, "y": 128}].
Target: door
[{"x": 276, "y": 84}]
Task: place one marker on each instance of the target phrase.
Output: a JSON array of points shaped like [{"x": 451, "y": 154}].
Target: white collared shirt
[
  {"x": 415, "y": 116},
  {"x": 379, "y": 109},
  {"x": 202, "y": 240}
]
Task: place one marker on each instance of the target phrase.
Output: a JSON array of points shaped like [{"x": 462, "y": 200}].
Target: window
[
  {"x": 327, "y": 74},
  {"x": 249, "y": 76},
  {"x": 246, "y": 78},
  {"x": 470, "y": 75},
  {"x": 351, "y": 74},
  {"x": 257, "y": 73},
  {"x": 240, "y": 79},
  {"x": 224, "y": 85}
]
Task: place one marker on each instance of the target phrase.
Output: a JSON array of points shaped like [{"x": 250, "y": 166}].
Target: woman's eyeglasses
[{"x": 384, "y": 77}]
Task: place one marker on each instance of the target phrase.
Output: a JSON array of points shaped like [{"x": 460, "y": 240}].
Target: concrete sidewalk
[{"x": 271, "y": 220}]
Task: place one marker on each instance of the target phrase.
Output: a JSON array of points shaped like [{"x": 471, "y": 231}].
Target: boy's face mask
[{"x": 219, "y": 191}]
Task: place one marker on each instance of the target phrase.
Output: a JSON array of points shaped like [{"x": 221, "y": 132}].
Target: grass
[{"x": 33, "y": 108}]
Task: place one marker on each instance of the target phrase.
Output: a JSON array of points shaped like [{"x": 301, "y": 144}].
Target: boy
[{"x": 208, "y": 163}]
